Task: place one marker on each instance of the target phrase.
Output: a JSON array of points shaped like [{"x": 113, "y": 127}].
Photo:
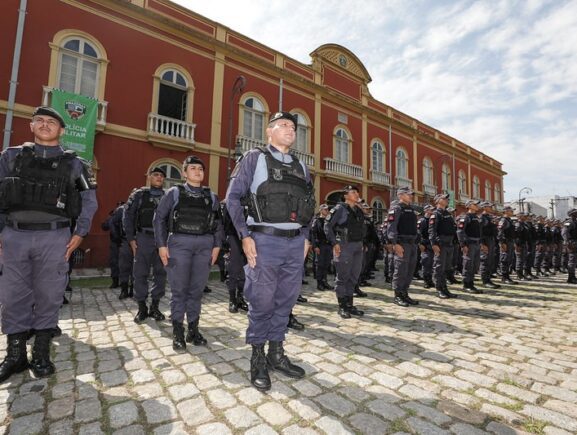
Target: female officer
[{"x": 188, "y": 231}]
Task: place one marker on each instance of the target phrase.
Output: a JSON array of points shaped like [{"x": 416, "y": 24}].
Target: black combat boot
[
  {"x": 490, "y": 284},
  {"x": 293, "y": 323},
  {"x": 359, "y": 293},
  {"x": 123, "y": 291},
  {"x": 278, "y": 361},
  {"x": 194, "y": 336},
  {"x": 448, "y": 292},
  {"x": 452, "y": 280},
  {"x": 409, "y": 300},
  {"x": 232, "y": 306},
  {"x": 428, "y": 282},
  {"x": 469, "y": 287},
  {"x": 571, "y": 278},
  {"x": 222, "y": 275},
  {"x": 142, "y": 313},
  {"x": 259, "y": 377},
  {"x": 442, "y": 293},
  {"x": 131, "y": 290},
  {"x": 352, "y": 309},
  {"x": 327, "y": 285},
  {"x": 522, "y": 277},
  {"x": 530, "y": 274},
  {"x": 40, "y": 363},
  {"x": 400, "y": 300},
  {"x": 302, "y": 300},
  {"x": 114, "y": 283},
  {"x": 155, "y": 312},
  {"x": 506, "y": 278},
  {"x": 240, "y": 302},
  {"x": 178, "y": 343},
  {"x": 321, "y": 285},
  {"x": 16, "y": 360},
  {"x": 344, "y": 308}
]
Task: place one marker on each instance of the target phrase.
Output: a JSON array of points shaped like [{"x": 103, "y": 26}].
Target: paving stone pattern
[{"x": 504, "y": 362}]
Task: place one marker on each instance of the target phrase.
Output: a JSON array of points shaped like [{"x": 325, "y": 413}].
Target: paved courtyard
[{"x": 503, "y": 362}]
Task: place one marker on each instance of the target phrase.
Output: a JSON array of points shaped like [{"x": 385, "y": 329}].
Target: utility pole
[{"x": 552, "y": 202}]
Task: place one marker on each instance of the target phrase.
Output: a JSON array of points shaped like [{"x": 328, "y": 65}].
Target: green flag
[
  {"x": 451, "y": 198},
  {"x": 80, "y": 114}
]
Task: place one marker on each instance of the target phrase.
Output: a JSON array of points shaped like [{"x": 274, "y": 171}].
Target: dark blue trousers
[{"x": 145, "y": 258}]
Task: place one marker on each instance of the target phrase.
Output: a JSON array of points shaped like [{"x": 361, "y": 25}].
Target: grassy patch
[
  {"x": 534, "y": 426},
  {"x": 517, "y": 406},
  {"x": 96, "y": 282},
  {"x": 399, "y": 425},
  {"x": 509, "y": 381}
]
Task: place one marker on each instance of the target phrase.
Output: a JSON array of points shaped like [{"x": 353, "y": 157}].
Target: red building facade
[{"x": 164, "y": 77}]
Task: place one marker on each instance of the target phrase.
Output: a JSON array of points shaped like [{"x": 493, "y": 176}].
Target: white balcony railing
[
  {"x": 348, "y": 169},
  {"x": 403, "y": 182},
  {"x": 247, "y": 143},
  {"x": 380, "y": 177},
  {"x": 429, "y": 189},
  {"x": 102, "y": 106},
  {"x": 169, "y": 127}
]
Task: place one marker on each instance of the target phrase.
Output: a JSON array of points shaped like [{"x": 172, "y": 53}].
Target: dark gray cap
[
  {"x": 350, "y": 187},
  {"x": 283, "y": 115},
  {"x": 486, "y": 204},
  {"x": 157, "y": 169},
  {"x": 471, "y": 202},
  {"x": 507, "y": 208},
  {"x": 49, "y": 111},
  {"x": 571, "y": 211},
  {"x": 439, "y": 196},
  {"x": 193, "y": 160},
  {"x": 405, "y": 190}
]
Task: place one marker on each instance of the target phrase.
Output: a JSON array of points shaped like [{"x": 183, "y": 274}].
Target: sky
[{"x": 501, "y": 76}]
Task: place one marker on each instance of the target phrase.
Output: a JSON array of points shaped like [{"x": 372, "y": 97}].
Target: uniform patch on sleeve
[
  {"x": 391, "y": 216},
  {"x": 462, "y": 223}
]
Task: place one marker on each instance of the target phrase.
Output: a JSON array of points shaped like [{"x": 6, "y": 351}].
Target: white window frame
[
  {"x": 342, "y": 144},
  {"x": 81, "y": 58},
  {"x": 254, "y": 113},
  {"x": 378, "y": 156}
]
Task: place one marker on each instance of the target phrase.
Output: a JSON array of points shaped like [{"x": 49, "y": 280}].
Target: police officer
[
  {"x": 425, "y": 247},
  {"x": 540, "y": 262},
  {"x": 402, "y": 232},
  {"x": 569, "y": 234},
  {"x": 506, "y": 239},
  {"x": 469, "y": 234},
  {"x": 137, "y": 222},
  {"x": 442, "y": 230},
  {"x": 114, "y": 248},
  {"x": 188, "y": 233},
  {"x": 277, "y": 188},
  {"x": 488, "y": 238},
  {"x": 557, "y": 246},
  {"x": 125, "y": 256},
  {"x": 42, "y": 190},
  {"x": 522, "y": 240},
  {"x": 322, "y": 248},
  {"x": 345, "y": 228}
]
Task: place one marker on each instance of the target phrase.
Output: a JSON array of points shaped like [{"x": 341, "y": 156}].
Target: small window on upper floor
[
  {"x": 253, "y": 118},
  {"x": 302, "y": 134},
  {"x": 487, "y": 190},
  {"x": 173, "y": 95},
  {"x": 342, "y": 144},
  {"x": 378, "y": 156},
  {"x": 402, "y": 163},
  {"x": 446, "y": 183},
  {"x": 462, "y": 183},
  {"x": 79, "y": 67},
  {"x": 428, "y": 174},
  {"x": 476, "y": 187}
]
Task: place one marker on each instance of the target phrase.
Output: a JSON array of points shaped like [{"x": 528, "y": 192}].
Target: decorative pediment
[{"x": 343, "y": 58}]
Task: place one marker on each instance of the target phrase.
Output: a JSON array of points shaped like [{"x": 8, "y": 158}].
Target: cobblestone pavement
[{"x": 503, "y": 362}]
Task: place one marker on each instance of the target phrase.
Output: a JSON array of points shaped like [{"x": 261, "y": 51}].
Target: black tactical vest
[
  {"x": 407, "y": 225},
  {"x": 354, "y": 228},
  {"x": 507, "y": 228},
  {"x": 489, "y": 228},
  {"x": 445, "y": 223},
  {"x": 473, "y": 226},
  {"x": 148, "y": 204},
  {"x": 423, "y": 228},
  {"x": 285, "y": 196},
  {"x": 41, "y": 184},
  {"x": 193, "y": 214}
]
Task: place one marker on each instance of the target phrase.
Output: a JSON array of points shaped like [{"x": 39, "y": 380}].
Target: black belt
[
  {"x": 272, "y": 231},
  {"x": 406, "y": 238},
  {"x": 146, "y": 231},
  {"x": 38, "y": 226}
]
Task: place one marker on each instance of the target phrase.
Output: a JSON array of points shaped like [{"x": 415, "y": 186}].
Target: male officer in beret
[
  {"x": 469, "y": 234},
  {"x": 402, "y": 232},
  {"x": 43, "y": 189},
  {"x": 322, "y": 247},
  {"x": 488, "y": 238},
  {"x": 140, "y": 235},
  {"x": 345, "y": 230},
  {"x": 506, "y": 239},
  {"x": 442, "y": 230},
  {"x": 278, "y": 191},
  {"x": 569, "y": 234},
  {"x": 425, "y": 246}
]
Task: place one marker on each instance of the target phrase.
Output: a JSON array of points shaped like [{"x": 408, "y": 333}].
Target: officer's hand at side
[
  {"x": 214, "y": 255},
  {"x": 249, "y": 248},
  {"x": 133, "y": 246},
  {"x": 437, "y": 250},
  {"x": 74, "y": 243},
  {"x": 163, "y": 254},
  {"x": 423, "y": 248},
  {"x": 503, "y": 247},
  {"x": 484, "y": 249},
  {"x": 465, "y": 250},
  {"x": 307, "y": 247},
  {"x": 399, "y": 251},
  {"x": 336, "y": 250},
  {"x": 317, "y": 251}
]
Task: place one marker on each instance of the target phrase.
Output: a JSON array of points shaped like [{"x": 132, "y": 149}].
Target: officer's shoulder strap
[{"x": 69, "y": 154}]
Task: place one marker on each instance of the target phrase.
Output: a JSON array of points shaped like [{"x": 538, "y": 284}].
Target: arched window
[
  {"x": 428, "y": 172},
  {"x": 446, "y": 178},
  {"x": 402, "y": 163},
  {"x": 172, "y": 95},
  {"x": 378, "y": 156},
  {"x": 302, "y": 133},
  {"x": 253, "y": 118},
  {"x": 172, "y": 170},
  {"x": 476, "y": 187},
  {"x": 497, "y": 193},
  {"x": 342, "y": 142},
  {"x": 487, "y": 190},
  {"x": 79, "y": 67},
  {"x": 462, "y": 183},
  {"x": 378, "y": 209}
]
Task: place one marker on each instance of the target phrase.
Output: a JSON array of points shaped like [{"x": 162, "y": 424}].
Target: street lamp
[
  {"x": 237, "y": 88},
  {"x": 527, "y": 190}
]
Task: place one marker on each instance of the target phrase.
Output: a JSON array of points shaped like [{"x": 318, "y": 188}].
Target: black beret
[
  {"x": 350, "y": 187},
  {"x": 441, "y": 196},
  {"x": 49, "y": 111},
  {"x": 157, "y": 169},
  {"x": 193, "y": 160},
  {"x": 283, "y": 115}
]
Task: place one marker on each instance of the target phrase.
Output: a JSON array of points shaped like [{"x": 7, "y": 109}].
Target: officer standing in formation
[
  {"x": 344, "y": 228},
  {"x": 506, "y": 239},
  {"x": 125, "y": 255},
  {"x": 188, "y": 233},
  {"x": 137, "y": 222},
  {"x": 114, "y": 248},
  {"x": 442, "y": 230},
  {"x": 469, "y": 232},
  {"x": 322, "y": 248},
  {"x": 569, "y": 234},
  {"x": 278, "y": 191},
  {"x": 425, "y": 246},
  {"x": 42, "y": 189},
  {"x": 488, "y": 238},
  {"x": 403, "y": 235}
]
